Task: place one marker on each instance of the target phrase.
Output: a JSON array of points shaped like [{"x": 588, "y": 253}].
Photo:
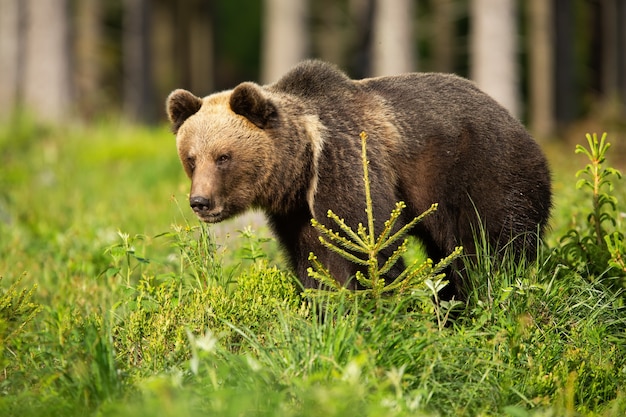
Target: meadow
[{"x": 116, "y": 301}]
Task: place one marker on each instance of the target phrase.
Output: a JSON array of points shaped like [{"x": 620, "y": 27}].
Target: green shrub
[
  {"x": 17, "y": 310},
  {"x": 595, "y": 247}
]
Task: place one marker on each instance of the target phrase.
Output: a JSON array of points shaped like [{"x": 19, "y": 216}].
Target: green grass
[{"x": 114, "y": 301}]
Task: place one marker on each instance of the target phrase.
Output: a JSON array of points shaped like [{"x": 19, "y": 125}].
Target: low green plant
[
  {"x": 595, "y": 247},
  {"x": 252, "y": 248},
  {"x": 363, "y": 247},
  {"x": 17, "y": 310},
  {"x": 125, "y": 260},
  {"x": 156, "y": 312},
  {"x": 197, "y": 254}
]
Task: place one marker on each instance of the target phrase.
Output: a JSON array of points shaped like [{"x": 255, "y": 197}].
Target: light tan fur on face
[
  {"x": 216, "y": 130},
  {"x": 215, "y": 105},
  {"x": 210, "y": 129}
]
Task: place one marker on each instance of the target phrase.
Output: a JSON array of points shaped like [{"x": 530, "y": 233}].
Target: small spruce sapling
[
  {"x": 350, "y": 244},
  {"x": 598, "y": 247}
]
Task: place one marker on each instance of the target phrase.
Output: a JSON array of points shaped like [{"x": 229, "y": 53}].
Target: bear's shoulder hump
[{"x": 312, "y": 78}]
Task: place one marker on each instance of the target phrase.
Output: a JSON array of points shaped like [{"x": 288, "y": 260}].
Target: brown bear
[{"x": 293, "y": 149}]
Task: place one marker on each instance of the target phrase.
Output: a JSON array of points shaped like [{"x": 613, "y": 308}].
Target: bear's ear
[
  {"x": 180, "y": 105},
  {"x": 248, "y": 100}
]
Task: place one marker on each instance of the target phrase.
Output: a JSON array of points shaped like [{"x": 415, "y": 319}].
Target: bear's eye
[
  {"x": 222, "y": 159},
  {"x": 191, "y": 163}
]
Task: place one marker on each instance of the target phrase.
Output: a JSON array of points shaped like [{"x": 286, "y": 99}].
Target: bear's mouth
[{"x": 213, "y": 216}]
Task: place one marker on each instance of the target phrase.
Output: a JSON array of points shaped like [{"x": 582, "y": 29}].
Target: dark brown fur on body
[{"x": 293, "y": 149}]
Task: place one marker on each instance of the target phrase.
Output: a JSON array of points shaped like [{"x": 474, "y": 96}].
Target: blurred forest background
[{"x": 553, "y": 63}]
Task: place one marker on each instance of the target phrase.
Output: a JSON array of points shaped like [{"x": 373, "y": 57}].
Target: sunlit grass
[{"x": 126, "y": 306}]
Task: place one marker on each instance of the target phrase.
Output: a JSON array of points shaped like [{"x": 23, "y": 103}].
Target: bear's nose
[{"x": 199, "y": 203}]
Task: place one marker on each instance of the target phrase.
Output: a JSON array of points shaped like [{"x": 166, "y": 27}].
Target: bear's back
[
  {"x": 442, "y": 105},
  {"x": 431, "y": 102},
  {"x": 314, "y": 80}
]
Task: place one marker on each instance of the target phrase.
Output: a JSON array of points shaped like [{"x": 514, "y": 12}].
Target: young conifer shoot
[
  {"x": 363, "y": 246},
  {"x": 596, "y": 248}
]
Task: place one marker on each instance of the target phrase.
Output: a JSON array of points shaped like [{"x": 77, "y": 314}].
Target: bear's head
[{"x": 225, "y": 146}]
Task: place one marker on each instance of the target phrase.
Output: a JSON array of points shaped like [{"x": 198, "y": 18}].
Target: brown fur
[{"x": 293, "y": 149}]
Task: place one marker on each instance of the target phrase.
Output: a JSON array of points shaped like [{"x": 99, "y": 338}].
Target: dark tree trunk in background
[
  {"x": 139, "y": 104},
  {"x": 621, "y": 51},
  {"x": 612, "y": 61},
  {"x": 444, "y": 38},
  {"x": 201, "y": 47},
  {"x": 361, "y": 16},
  {"x": 182, "y": 50},
  {"x": 566, "y": 89},
  {"x": 167, "y": 63},
  {"x": 608, "y": 61}
]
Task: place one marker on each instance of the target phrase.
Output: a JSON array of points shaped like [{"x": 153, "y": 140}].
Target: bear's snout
[
  {"x": 199, "y": 203},
  {"x": 205, "y": 208}
]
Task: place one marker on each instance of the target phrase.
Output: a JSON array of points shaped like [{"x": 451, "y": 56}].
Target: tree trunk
[
  {"x": 361, "y": 17},
  {"x": 566, "y": 97},
  {"x": 46, "y": 82},
  {"x": 88, "y": 57},
  {"x": 11, "y": 55},
  {"x": 331, "y": 31},
  {"x": 621, "y": 52},
  {"x": 138, "y": 87},
  {"x": 493, "y": 50},
  {"x": 166, "y": 56},
  {"x": 443, "y": 35},
  {"x": 393, "y": 37},
  {"x": 285, "y": 37},
  {"x": 609, "y": 63},
  {"x": 201, "y": 46},
  {"x": 541, "y": 68}
]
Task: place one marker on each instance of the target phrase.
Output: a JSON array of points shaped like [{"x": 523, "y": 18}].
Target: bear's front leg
[{"x": 299, "y": 239}]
